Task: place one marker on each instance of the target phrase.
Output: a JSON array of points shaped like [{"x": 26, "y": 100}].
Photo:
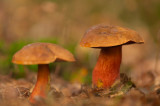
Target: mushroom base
[
  {"x": 107, "y": 68},
  {"x": 42, "y": 85}
]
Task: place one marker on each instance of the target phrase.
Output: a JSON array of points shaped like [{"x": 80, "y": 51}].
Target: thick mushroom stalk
[
  {"x": 43, "y": 83},
  {"x": 107, "y": 37},
  {"x": 107, "y": 68}
]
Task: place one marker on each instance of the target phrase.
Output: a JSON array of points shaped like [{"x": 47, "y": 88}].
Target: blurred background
[{"x": 65, "y": 21}]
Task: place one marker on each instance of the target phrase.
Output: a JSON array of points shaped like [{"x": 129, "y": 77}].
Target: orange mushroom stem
[
  {"x": 107, "y": 68},
  {"x": 43, "y": 83}
]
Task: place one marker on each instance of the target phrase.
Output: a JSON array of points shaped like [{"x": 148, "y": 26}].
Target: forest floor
[{"x": 123, "y": 93}]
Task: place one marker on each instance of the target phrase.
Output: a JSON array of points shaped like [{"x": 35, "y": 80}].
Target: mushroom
[
  {"x": 41, "y": 54},
  {"x": 110, "y": 40}
]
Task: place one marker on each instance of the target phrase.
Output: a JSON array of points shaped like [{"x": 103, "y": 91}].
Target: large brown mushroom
[
  {"x": 41, "y": 54},
  {"x": 110, "y": 40}
]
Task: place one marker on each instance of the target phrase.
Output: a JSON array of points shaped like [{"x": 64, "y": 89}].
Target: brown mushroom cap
[
  {"x": 61, "y": 53},
  {"x": 41, "y": 53},
  {"x": 107, "y": 36}
]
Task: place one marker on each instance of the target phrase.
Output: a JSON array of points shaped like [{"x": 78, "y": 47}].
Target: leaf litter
[{"x": 122, "y": 93}]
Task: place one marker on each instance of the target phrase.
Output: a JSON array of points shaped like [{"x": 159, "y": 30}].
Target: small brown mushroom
[
  {"x": 110, "y": 40},
  {"x": 41, "y": 54}
]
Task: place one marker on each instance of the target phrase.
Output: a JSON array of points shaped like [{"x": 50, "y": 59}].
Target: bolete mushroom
[
  {"x": 41, "y": 54},
  {"x": 110, "y": 40}
]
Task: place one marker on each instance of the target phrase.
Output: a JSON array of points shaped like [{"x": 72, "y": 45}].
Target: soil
[{"x": 123, "y": 93}]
